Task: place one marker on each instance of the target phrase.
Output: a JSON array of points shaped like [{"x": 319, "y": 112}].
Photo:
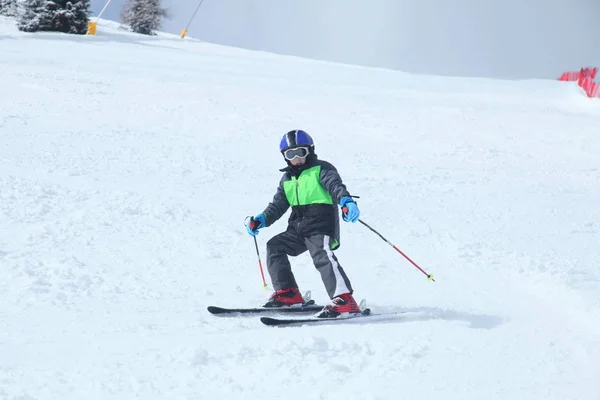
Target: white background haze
[{"x": 491, "y": 38}]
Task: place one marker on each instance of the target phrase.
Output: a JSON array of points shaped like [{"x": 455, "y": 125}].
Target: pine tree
[
  {"x": 8, "y": 8},
  {"x": 54, "y": 15},
  {"x": 34, "y": 16},
  {"x": 143, "y": 16},
  {"x": 71, "y": 18}
]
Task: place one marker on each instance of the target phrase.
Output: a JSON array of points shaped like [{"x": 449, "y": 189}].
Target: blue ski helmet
[{"x": 296, "y": 138}]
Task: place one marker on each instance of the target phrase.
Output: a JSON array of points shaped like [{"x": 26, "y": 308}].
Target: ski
[
  {"x": 307, "y": 307},
  {"x": 270, "y": 321}
]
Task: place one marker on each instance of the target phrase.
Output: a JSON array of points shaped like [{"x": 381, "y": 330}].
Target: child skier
[{"x": 312, "y": 188}]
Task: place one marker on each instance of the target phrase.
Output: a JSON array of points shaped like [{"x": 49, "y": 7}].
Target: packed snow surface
[{"x": 129, "y": 163}]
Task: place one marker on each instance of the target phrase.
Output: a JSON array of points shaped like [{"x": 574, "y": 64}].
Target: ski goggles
[{"x": 296, "y": 152}]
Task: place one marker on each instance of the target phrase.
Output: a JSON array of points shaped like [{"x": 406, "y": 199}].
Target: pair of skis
[{"x": 308, "y": 307}]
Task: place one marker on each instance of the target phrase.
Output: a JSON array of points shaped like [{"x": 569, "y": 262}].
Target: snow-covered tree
[
  {"x": 54, "y": 15},
  {"x": 8, "y": 8},
  {"x": 34, "y": 16},
  {"x": 70, "y": 16},
  {"x": 143, "y": 16}
]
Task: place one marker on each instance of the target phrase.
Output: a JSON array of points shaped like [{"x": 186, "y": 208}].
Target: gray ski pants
[{"x": 288, "y": 243}]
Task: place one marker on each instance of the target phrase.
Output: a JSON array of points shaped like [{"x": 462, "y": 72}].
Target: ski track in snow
[{"x": 129, "y": 164}]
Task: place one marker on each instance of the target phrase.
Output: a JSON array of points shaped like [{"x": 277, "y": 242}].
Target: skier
[{"x": 312, "y": 188}]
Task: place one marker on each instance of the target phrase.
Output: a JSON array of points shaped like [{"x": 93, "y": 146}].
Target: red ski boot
[
  {"x": 285, "y": 297},
  {"x": 339, "y": 305}
]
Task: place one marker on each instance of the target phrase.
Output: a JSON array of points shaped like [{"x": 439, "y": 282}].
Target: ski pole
[
  {"x": 429, "y": 276},
  {"x": 262, "y": 274}
]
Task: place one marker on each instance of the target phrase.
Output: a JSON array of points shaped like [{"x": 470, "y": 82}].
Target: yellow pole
[
  {"x": 184, "y": 31},
  {"x": 93, "y": 25},
  {"x": 92, "y": 28}
]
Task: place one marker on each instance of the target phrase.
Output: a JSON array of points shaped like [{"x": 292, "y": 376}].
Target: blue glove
[
  {"x": 253, "y": 224},
  {"x": 350, "y": 212}
]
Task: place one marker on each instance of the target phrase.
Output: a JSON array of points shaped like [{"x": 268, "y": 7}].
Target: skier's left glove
[
  {"x": 253, "y": 224},
  {"x": 350, "y": 212}
]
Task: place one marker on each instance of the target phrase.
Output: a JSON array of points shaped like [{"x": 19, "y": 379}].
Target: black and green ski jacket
[{"x": 313, "y": 191}]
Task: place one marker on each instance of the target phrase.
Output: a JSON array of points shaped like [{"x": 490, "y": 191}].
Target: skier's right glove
[
  {"x": 350, "y": 211},
  {"x": 253, "y": 224}
]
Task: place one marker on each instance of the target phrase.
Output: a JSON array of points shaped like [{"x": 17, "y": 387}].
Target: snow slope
[{"x": 128, "y": 165}]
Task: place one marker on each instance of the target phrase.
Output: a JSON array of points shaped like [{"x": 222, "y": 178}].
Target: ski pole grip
[{"x": 252, "y": 223}]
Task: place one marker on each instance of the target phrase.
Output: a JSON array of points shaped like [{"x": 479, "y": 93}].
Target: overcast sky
[{"x": 492, "y": 38}]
